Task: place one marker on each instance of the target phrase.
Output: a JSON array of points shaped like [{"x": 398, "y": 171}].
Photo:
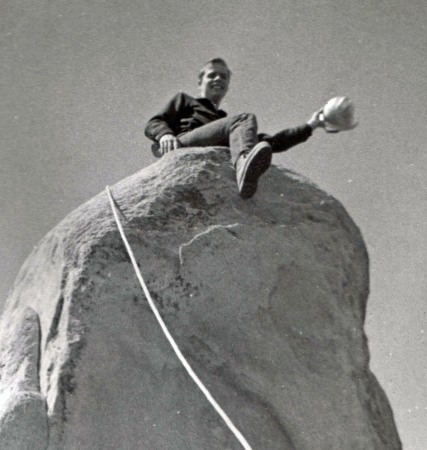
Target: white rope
[{"x": 169, "y": 337}]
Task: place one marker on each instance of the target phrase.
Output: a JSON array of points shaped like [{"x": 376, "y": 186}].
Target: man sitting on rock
[{"x": 198, "y": 122}]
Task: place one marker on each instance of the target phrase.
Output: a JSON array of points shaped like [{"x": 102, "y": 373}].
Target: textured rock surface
[
  {"x": 266, "y": 298},
  {"x": 23, "y": 415}
]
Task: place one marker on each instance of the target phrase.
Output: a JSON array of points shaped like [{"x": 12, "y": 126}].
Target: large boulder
[{"x": 266, "y": 298}]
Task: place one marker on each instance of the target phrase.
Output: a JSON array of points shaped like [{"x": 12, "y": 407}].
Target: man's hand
[
  {"x": 316, "y": 120},
  {"x": 168, "y": 143}
]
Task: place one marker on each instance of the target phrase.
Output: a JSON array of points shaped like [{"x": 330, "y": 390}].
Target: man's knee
[{"x": 246, "y": 118}]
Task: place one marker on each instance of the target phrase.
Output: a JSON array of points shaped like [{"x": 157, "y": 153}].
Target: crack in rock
[{"x": 207, "y": 231}]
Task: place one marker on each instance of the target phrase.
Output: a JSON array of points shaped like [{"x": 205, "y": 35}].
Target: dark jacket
[{"x": 182, "y": 114}]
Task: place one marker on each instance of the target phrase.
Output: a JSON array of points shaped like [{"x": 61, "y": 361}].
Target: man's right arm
[
  {"x": 166, "y": 121},
  {"x": 161, "y": 127}
]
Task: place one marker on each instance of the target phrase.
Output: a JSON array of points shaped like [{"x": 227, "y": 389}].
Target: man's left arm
[{"x": 285, "y": 139}]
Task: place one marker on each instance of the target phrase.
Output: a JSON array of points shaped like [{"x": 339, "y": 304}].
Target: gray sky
[{"x": 79, "y": 79}]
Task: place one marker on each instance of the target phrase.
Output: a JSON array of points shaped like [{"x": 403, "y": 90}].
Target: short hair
[{"x": 211, "y": 62}]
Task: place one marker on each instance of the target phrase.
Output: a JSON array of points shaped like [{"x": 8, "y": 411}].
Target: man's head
[{"x": 214, "y": 79}]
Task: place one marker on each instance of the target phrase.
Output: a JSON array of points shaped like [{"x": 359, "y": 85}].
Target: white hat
[{"x": 338, "y": 115}]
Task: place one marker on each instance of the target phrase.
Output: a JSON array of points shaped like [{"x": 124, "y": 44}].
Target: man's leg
[
  {"x": 249, "y": 157},
  {"x": 237, "y": 132}
]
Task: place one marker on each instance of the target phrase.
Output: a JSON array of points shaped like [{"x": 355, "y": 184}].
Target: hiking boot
[{"x": 250, "y": 166}]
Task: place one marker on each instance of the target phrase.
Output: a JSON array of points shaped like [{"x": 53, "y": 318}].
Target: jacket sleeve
[
  {"x": 284, "y": 140},
  {"x": 166, "y": 121}
]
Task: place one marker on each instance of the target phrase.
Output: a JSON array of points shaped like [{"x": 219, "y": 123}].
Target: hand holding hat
[{"x": 338, "y": 115}]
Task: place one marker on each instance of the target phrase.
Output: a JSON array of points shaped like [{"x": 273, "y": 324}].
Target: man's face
[{"x": 214, "y": 83}]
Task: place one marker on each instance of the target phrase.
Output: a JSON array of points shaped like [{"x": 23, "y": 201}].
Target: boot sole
[{"x": 257, "y": 163}]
